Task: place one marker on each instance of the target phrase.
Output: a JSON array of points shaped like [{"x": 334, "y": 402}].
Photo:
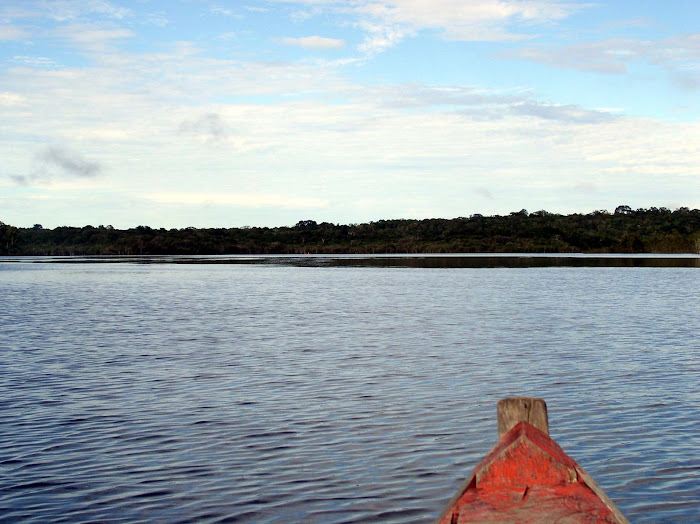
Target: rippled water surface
[{"x": 268, "y": 392}]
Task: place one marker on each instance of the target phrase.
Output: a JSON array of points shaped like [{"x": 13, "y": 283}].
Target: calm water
[{"x": 270, "y": 392}]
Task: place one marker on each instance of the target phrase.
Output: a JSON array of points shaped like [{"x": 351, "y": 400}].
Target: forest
[{"x": 652, "y": 230}]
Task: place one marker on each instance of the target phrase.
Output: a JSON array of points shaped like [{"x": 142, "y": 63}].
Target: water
[{"x": 269, "y": 392}]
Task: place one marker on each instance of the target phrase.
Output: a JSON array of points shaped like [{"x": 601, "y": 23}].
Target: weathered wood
[
  {"x": 527, "y": 477},
  {"x": 593, "y": 485},
  {"x": 517, "y": 409}
]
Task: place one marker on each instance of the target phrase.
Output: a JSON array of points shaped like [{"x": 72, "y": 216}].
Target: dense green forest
[{"x": 653, "y": 230}]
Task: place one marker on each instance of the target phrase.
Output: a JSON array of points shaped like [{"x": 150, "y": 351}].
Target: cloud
[
  {"x": 455, "y": 15},
  {"x": 92, "y": 37},
  {"x": 35, "y": 61},
  {"x": 598, "y": 57},
  {"x": 255, "y": 9},
  {"x": 388, "y": 22},
  {"x": 70, "y": 162},
  {"x": 585, "y": 187},
  {"x": 158, "y": 19},
  {"x": 485, "y": 193},
  {"x": 67, "y": 10},
  {"x": 248, "y": 200},
  {"x": 562, "y": 112},
  {"x": 382, "y": 37},
  {"x": 9, "y": 99},
  {"x": 9, "y": 32},
  {"x": 686, "y": 81},
  {"x": 314, "y": 42},
  {"x": 421, "y": 95},
  {"x": 483, "y": 104},
  {"x": 209, "y": 125},
  {"x": 679, "y": 55},
  {"x": 486, "y": 20},
  {"x": 306, "y": 130},
  {"x": 58, "y": 159},
  {"x": 223, "y": 11},
  {"x": 25, "y": 180}
]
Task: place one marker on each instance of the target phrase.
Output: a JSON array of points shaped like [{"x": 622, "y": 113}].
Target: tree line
[{"x": 652, "y": 230}]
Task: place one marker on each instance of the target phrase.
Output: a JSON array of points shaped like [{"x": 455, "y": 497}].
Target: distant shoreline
[
  {"x": 418, "y": 260},
  {"x": 626, "y": 231}
]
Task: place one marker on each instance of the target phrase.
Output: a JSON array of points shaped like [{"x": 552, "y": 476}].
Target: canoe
[{"x": 527, "y": 477}]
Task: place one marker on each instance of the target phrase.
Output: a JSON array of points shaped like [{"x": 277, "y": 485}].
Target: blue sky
[{"x": 220, "y": 114}]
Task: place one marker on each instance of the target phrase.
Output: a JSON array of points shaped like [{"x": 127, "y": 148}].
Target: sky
[{"x": 203, "y": 113}]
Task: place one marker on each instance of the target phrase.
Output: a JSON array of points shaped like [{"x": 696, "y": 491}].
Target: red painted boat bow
[{"x": 528, "y": 478}]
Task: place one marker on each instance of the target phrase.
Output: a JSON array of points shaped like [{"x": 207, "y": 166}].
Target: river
[{"x": 336, "y": 389}]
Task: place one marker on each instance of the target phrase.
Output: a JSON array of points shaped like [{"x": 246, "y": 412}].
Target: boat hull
[{"x": 526, "y": 478}]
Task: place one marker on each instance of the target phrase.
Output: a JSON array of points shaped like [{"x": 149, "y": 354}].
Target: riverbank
[{"x": 654, "y": 230}]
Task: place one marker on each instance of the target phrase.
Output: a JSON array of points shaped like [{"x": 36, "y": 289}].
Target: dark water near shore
[{"x": 341, "y": 389}]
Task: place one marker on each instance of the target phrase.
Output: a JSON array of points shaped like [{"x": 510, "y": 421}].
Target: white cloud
[
  {"x": 255, "y": 9},
  {"x": 324, "y": 159},
  {"x": 470, "y": 21},
  {"x": 484, "y": 104},
  {"x": 92, "y": 37},
  {"x": 686, "y": 81},
  {"x": 562, "y": 112},
  {"x": 8, "y": 99},
  {"x": 388, "y": 22},
  {"x": 229, "y": 35},
  {"x": 68, "y": 10},
  {"x": 599, "y": 57},
  {"x": 381, "y": 37},
  {"x": 314, "y": 42},
  {"x": 63, "y": 10},
  {"x": 35, "y": 61},
  {"x": 209, "y": 127},
  {"x": 10, "y": 32},
  {"x": 248, "y": 200},
  {"x": 223, "y": 11},
  {"x": 260, "y": 135},
  {"x": 144, "y": 103},
  {"x": 680, "y": 55},
  {"x": 158, "y": 19}
]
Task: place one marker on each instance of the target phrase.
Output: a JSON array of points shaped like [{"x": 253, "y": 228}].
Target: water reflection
[{"x": 480, "y": 260}]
